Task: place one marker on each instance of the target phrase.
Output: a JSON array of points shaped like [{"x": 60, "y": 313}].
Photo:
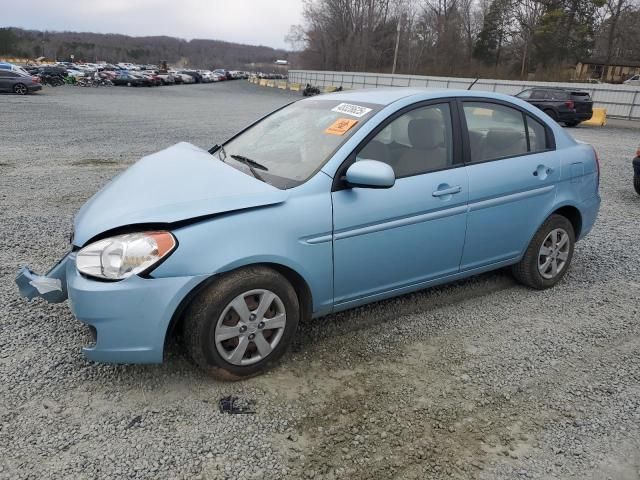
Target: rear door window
[
  {"x": 538, "y": 95},
  {"x": 497, "y": 131},
  {"x": 559, "y": 95}
]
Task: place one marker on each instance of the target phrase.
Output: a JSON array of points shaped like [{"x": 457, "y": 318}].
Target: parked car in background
[
  {"x": 197, "y": 78},
  {"x": 443, "y": 185},
  {"x": 636, "y": 172},
  {"x": 186, "y": 78},
  {"x": 153, "y": 79},
  {"x": 129, "y": 80},
  {"x": 18, "y": 83},
  {"x": 225, "y": 73},
  {"x": 635, "y": 80},
  {"x": 563, "y": 105},
  {"x": 14, "y": 68},
  {"x": 207, "y": 76},
  {"x": 166, "y": 78}
]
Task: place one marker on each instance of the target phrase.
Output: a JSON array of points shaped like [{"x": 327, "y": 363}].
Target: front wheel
[
  {"x": 549, "y": 254},
  {"x": 20, "y": 89},
  {"x": 242, "y": 323}
]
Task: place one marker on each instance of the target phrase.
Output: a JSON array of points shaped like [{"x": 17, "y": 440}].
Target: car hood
[{"x": 178, "y": 183}]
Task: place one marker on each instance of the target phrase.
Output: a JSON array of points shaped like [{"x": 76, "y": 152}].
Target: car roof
[{"x": 387, "y": 96}]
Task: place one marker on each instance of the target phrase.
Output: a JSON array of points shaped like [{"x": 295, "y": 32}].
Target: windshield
[{"x": 290, "y": 145}]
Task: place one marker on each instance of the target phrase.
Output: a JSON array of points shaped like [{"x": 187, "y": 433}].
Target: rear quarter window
[
  {"x": 581, "y": 96},
  {"x": 559, "y": 95}
]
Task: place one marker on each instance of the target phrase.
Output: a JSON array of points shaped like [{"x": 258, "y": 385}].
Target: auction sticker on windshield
[
  {"x": 353, "y": 110},
  {"x": 341, "y": 126}
]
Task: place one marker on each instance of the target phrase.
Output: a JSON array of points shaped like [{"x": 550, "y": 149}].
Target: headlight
[{"x": 120, "y": 257}]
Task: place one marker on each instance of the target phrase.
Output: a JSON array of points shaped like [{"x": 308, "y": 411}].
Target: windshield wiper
[
  {"x": 248, "y": 162},
  {"x": 251, "y": 163}
]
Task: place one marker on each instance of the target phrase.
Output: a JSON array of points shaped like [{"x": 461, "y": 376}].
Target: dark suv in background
[{"x": 563, "y": 105}]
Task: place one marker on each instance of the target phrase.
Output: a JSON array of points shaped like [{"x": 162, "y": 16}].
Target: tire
[
  {"x": 574, "y": 123},
  {"x": 212, "y": 317},
  {"x": 552, "y": 114},
  {"x": 20, "y": 89},
  {"x": 529, "y": 270},
  {"x": 636, "y": 183}
]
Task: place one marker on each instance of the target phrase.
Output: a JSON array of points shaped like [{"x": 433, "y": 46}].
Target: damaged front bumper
[
  {"x": 129, "y": 318},
  {"x": 52, "y": 287}
]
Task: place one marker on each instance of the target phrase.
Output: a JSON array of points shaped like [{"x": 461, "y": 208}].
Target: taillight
[
  {"x": 638, "y": 152},
  {"x": 570, "y": 104},
  {"x": 35, "y": 79}
]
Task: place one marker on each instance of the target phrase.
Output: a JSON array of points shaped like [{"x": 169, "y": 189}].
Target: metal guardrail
[{"x": 621, "y": 101}]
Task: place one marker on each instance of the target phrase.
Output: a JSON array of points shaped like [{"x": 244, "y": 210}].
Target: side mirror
[{"x": 370, "y": 174}]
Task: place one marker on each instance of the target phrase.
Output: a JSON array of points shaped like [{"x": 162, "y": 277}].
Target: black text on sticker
[{"x": 353, "y": 110}]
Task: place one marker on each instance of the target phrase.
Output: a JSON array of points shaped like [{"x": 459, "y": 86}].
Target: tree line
[
  {"x": 92, "y": 47},
  {"x": 497, "y": 38}
]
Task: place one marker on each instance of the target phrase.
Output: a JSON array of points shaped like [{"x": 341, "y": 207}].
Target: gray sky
[{"x": 256, "y": 22}]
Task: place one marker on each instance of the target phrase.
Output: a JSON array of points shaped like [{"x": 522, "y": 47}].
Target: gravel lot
[{"x": 478, "y": 379}]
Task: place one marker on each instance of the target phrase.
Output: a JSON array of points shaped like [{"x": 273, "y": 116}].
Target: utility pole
[{"x": 395, "y": 53}]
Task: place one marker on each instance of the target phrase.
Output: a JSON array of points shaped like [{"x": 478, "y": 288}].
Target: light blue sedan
[{"x": 325, "y": 204}]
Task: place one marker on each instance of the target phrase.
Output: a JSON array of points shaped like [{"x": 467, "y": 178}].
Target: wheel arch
[
  {"x": 299, "y": 284},
  {"x": 571, "y": 213}
]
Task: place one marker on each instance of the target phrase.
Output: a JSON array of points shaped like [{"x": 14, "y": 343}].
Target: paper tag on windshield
[
  {"x": 341, "y": 126},
  {"x": 353, "y": 110}
]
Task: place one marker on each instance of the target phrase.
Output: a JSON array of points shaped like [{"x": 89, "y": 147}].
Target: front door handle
[{"x": 441, "y": 192}]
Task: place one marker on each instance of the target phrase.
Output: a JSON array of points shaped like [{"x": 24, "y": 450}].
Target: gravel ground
[{"x": 479, "y": 379}]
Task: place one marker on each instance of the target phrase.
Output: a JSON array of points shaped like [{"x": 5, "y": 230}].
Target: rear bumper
[
  {"x": 589, "y": 210},
  {"x": 34, "y": 88},
  {"x": 130, "y": 317},
  {"x": 574, "y": 116}
]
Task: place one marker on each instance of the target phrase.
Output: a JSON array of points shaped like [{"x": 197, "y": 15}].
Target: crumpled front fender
[{"x": 52, "y": 287}]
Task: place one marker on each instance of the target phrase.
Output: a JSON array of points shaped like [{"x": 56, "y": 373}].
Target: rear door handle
[
  {"x": 447, "y": 191},
  {"x": 542, "y": 171}
]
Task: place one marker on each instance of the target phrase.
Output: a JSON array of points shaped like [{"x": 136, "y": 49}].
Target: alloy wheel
[
  {"x": 20, "y": 89},
  {"x": 554, "y": 253},
  {"x": 250, "y": 327}
]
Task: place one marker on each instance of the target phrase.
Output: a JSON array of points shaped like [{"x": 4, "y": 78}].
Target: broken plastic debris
[
  {"x": 233, "y": 404},
  {"x": 46, "y": 285}
]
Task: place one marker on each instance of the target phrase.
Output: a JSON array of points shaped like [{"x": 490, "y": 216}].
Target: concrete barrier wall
[{"x": 620, "y": 101}]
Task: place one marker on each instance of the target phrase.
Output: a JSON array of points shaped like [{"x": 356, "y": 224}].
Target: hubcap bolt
[
  {"x": 252, "y": 317},
  {"x": 252, "y": 336},
  {"x": 261, "y": 325},
  {"x": 243, "y": 328}
]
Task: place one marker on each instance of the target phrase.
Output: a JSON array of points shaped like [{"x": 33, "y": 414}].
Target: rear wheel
[
  {"x": 636, "y": 183},
  {"x": 241, "y": 324},
  {"x": 549, "y": 254},
  {"x": 572, "y": 124},
  {"x": 20, "y": 89}
]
